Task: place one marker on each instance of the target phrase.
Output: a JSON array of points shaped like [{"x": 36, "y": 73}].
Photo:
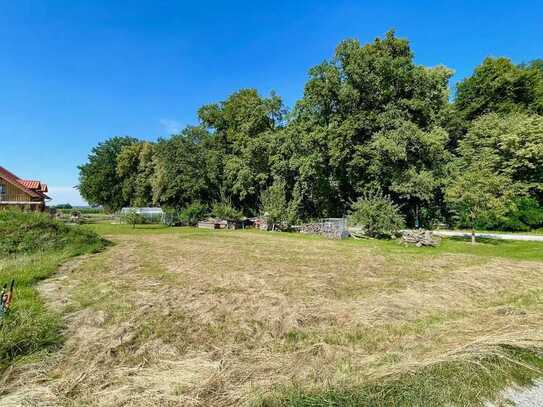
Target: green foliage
[
  {"x": 193, "y": 213},
  {"x": 370, "y": 117},
  {"x": 29, "y": 233},
  {"x": 31, "y": 248},
  {"x": 226, "y": 211},
  {"x": 82, "y": 210},
  {"x": 524, "y": 213},
  {"x": 244, "y": 126},
  {"x": 63, "y": 206},
  {"x": 275, "y": 207},
  {"x": 499, "y": 86},
  {"x": 187, "y": 169},
  {"x": 132, "y": 217},
  {"x": 377, "y": 214},
  {"x": 510, "y": 144},
  {"x": 503, "y": 156},
  {"x": 136, "y": 167},
  {"x": 478, "y": 195},
  {"x": 99, "y": 181}
]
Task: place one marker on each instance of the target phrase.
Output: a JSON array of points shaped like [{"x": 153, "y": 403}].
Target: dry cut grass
[{"x": 240, "y": 318}]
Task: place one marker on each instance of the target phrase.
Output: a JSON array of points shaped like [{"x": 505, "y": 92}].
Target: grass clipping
[{"x": 212, "y": 318}]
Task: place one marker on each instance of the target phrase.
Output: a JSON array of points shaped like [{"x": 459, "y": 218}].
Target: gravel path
[
  {"x": 530, "y": 397},
  {"x": 503, "y": 236}
]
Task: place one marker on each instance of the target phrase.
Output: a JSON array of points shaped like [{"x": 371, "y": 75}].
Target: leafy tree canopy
[
  {"x": 499, "y": 86},
  {"x": 99, "y": 181},
  {"x": 370, "y": 119}
]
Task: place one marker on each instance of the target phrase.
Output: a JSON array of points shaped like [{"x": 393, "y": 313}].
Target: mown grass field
[{"x": 181, "y": 316}]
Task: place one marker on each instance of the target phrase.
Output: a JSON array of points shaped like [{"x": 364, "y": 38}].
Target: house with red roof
[{"x": 21, "y": 193}]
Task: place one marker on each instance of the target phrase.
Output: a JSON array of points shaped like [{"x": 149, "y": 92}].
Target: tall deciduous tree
[
  {"x": 274, "y": 204},
  {"x": 135, "y": 165},
  {"x": 187, "y": 169},
  {"x": 370, "y": 117},
  {"x": 499, "y": 86},
  {"x": 99, "y": 181},
  {"x": 512, "y": 143},
  {"x": 242, "y": 127}
]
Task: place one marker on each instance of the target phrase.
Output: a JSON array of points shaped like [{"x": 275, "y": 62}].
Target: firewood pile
[
  {"x": 326, "y": 229},
  {"x": 314, "y": 228},
  {"x": 420, "y": 238}
]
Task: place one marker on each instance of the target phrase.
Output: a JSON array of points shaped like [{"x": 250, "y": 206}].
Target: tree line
[{"x": 370, "y": 122}]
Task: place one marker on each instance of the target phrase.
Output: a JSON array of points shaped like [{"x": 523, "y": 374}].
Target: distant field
[{"x": 182, "y": 316}]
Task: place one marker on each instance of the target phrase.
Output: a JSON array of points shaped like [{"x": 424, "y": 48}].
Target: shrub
[
  {"x": 526, "y": 213},
  {"x": 193, "y": 213},
  {"x": 133, "y": 218},
  {"x": 225, "y": 210},
  {"x": 377, "y": 215},
  {"x": 274, "y": 204}
]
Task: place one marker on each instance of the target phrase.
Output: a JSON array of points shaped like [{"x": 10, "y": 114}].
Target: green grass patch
[
  {"x": 466, "y": 381},
  {"x": 517, "y": 250},
  {"x": 31, "y": 248}
]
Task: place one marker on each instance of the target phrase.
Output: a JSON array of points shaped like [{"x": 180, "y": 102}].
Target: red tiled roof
[
  {"x": 30, "y": 184},
  {"x": 32, "y": 188}
]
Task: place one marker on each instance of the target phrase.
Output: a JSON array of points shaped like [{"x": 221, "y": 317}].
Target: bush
[
  {"x": 526, "y": 213},
  {"x": 193, "y": 213},
  {"x": 377, "y": 215},
  {"x": 133, "y": 218},
  {"x": 226, "y": 211},
  {"x": 275, "y": 205}
]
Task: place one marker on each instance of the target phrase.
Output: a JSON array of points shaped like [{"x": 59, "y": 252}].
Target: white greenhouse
[{"x": 152, "y": 215}]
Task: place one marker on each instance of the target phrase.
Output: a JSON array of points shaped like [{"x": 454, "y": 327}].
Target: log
[{"x": 420, "y": 237}]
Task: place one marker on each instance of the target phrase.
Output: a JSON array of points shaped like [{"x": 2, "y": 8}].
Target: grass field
[{"x": 181, "y": 316}]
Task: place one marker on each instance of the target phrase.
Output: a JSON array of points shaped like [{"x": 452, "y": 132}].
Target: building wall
[{"x": 13, "y": 193}]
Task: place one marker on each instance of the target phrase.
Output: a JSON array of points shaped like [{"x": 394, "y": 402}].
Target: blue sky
[{"x": 74, "y": 73}]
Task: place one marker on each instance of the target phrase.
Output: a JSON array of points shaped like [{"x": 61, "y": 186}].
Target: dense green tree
[
  {"x": 187, "y": 169},
  {"x": 500, "y": 86},
  {"x": 511, "y": 145},
  {"x": 370, "y": 117},
  {"x": 99, "y": 181},
  {"x": 377, "y": 215},
  {"x": 478, "y": 195},
  {"x": 274, "y": 204},
  {"x": 135, "y": 166},
  {"x": 193, "y": 213},
  {"x": 224, "y": 209},
  {"x": 242, "y": 127}
]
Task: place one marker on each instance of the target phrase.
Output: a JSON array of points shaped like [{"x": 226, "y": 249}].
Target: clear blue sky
[{"x": 73, "y": 73}]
